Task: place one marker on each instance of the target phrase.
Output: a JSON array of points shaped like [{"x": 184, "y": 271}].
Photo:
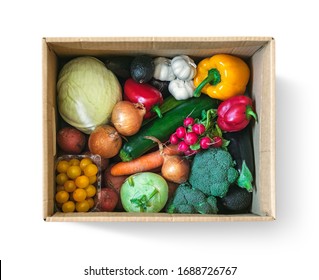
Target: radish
[
  {"x": 174, "y": 139},
  {"x": 198, "y": 128},
  {"x": 182, "y": 146},
  {"x": 180, "y": 132},
  {"x": 205, "y": 142},
  {"x": 217, "y": 142},
  {"x": 190, "y": 138},
  {"x": 188, "y": 121}
]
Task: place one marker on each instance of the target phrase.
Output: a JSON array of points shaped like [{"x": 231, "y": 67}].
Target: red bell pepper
[
  {"x": 145, "y": 94},
  {"x": 234, "y": 114}
]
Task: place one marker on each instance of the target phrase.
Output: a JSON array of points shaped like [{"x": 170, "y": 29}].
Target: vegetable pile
[{"x": 170, "y": 134}]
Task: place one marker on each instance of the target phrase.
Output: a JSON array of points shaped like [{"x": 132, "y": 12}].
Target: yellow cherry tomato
[
  {"x": 92, "y": 179},
  {"x": 61, "y": 178},
  {"x": 69, "y": 186},
  {"x": 85, "y": 162},
  {"x": 82, "y": 206},
  {"x": 90, "y": 170},
  {"x": 90, "y": 191},
  {"x": 74, "y": 171},
  {"x": 82, "y": 181},
  {"x": 90, "y": 200},
  {"x": 79, "y": 195},
  {"x": 62, "y": 196},
  {"x": 68, "y": 207},
  {"x": 62, "y": 166},
  {"x": 74, "y": 161}
]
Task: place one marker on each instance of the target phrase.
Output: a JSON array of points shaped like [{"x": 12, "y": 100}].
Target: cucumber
[
  {"x": 241, "y": 148},
  {"x": 162, "y": 129}
]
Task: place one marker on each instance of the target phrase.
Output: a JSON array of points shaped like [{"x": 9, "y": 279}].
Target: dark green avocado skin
[
  {"x": 237, "y": 200},
  {"x": 142, "y": 68}
]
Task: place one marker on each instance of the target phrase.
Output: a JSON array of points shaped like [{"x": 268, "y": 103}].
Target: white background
[{"x": 285, "y": 248}]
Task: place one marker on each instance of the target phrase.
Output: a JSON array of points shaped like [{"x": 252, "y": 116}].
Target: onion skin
[
  {"x": 127, "y": 117},
  {"x": 175, "y": 169},
  {"x": 105, "y": 141}
]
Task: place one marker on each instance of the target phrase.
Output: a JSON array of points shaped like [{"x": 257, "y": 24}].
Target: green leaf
[
  {"x": 195, "y": 147},
  {"x": 245, "y": 178},
  {"x": 218, "y": 131},
  {"x": 225, "y": 143}
]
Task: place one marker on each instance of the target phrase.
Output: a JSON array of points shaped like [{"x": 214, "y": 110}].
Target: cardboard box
[{"x": 260, "y": 52}]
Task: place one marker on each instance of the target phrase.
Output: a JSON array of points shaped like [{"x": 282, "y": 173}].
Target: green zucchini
[
  {"x": 137, "y": 145},
  {"x": 168, "y": 104}
]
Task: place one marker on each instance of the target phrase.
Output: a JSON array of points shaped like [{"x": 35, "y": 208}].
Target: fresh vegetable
[
  {"x": 181, "y": 90},
  {"x": 212, "y": 172},
  {"x": 107, "y": 199},
  {"x": 105, "y": 141},
  {"x": 162, "y": 86},
  {"x": 164, "y": 127},
  {"x": 144, "y": 94},
  {"x": 182, "y": 146},
  {"x": 237, "y": 200},
  {"x": 70, "y": 140},
  {"x": 142, "y": 68},
  {"x": 199, "y": 133},
  {"x": 175, "y": 168},
  {"x": 87, "y": 92},
  {"x": 190, "y": 138},
  {"x": 198, "y": 128},
  {"x": 180, "y": 132},
  {"x": 188, "y": 121},
  {"x": 120, "y": 65},
  {"x": 75, "y": 190},
  {"x": 221, "y": 76},
  {"x": 241, "y": 149},
  {"x": 143, "y": 163},
  {"x": 188, "y": 200},
  {"x": 127, "y": 117},
  {"x": 163, "y": 69},
  {"x": 113, "y": 182},
  {"x": 184, "y": 68},
  {"x": 235, "y": 113},
  {"x": 144, "y": 192}
]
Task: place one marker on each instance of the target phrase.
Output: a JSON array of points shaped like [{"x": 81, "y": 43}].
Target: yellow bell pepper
[{"x": 221, "y": 76}]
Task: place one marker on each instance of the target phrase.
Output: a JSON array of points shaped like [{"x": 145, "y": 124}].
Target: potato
[
  {"x": 107, "y": 199},
  {"x": 113, "y": 182},
  {"x": 70, "y": 140}
]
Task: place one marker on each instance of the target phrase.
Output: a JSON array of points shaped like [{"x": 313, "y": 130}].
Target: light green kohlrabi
[{"x": 87, "y": 92}]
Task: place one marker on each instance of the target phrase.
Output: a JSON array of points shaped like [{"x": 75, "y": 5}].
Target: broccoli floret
[
  {"x": 187, "y": 200},
  {"x": 213, "y": 172}
]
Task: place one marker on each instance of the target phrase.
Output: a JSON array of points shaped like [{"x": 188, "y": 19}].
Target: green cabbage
[{"x": 87, "y": 92}]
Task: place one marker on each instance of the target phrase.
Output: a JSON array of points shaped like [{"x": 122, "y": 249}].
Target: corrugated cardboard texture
[{"x": 259, "y": 51}]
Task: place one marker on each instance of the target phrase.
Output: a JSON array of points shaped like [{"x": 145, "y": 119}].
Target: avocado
[
  {"x": 237, "y": 200},
  {"x": 142, "y": 68},
  {"x": 119, "y": 65},
  {"x": 162, "y": 86}
]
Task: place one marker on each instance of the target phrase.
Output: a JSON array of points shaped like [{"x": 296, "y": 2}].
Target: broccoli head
[
  {"x": 187, "y": 200},
  {"x": 213, "y": 172}
]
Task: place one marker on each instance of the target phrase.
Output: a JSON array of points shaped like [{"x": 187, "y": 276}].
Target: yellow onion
[
  {"x": 105, "y": 141},
  {"x": 175, "y": 168},
  {"x": 127, "y": 117}
]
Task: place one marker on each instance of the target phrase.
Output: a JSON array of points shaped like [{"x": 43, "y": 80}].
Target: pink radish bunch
[{"x": 191, "y": 137}]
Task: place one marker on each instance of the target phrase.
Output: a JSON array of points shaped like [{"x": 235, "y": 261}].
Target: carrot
[{"x": 143, "y": 163}]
